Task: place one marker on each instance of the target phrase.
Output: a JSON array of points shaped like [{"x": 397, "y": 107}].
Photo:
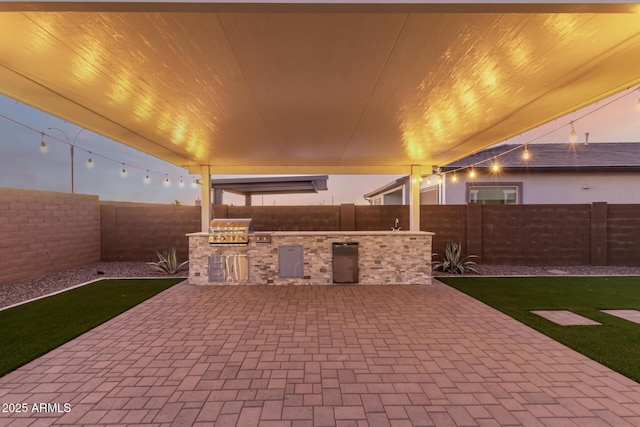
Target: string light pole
[{"x": 71, "y": 151}]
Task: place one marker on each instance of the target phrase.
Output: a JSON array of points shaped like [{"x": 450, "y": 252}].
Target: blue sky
[{"x": 22, "y": 165}]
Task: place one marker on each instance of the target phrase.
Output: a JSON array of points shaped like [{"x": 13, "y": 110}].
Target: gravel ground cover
[
  {"x": 24, "y": 290},
  {"x": 16, "y": 292}
]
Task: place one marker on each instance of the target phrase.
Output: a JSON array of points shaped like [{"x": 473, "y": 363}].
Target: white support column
[
  {"x": 205, "y": 212},
  {"x": 414, "y": 200}
]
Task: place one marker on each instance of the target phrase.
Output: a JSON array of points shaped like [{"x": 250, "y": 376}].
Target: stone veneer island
[{"x": 384, "y": 257}]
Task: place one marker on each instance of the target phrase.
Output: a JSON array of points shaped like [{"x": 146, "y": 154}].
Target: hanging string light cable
[
  {"x": 90, "y": 161},
  {"x": 526, "y": 155}
]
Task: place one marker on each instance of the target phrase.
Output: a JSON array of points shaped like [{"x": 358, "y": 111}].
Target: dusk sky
[{"x": 22, "y": 165}]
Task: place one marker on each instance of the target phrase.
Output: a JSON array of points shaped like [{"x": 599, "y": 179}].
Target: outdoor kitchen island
[{"x": 313, "y": 258}]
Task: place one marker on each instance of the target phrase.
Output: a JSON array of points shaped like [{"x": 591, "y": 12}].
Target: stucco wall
[
  {"x": 43, "y": 232},
  {"x": 559, "y": 188}
]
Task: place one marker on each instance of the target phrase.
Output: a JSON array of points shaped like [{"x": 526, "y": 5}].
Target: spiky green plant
[
  {"x": 452, "y": 261},
  {"x": 167, "y": 262}
]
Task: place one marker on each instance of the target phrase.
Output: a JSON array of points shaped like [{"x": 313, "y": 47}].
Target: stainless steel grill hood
[{"x": 230, "y": 231}]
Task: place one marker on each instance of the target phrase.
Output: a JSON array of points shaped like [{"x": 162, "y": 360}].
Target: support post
[
  {"x": 414, "y": 199},
  {"x": 205, "y": 210}
]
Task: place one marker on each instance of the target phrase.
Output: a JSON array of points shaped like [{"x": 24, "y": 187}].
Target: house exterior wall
[{"x": 558, "y": 188}]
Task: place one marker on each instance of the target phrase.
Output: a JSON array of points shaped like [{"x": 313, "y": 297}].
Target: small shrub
[
  {"x": 167, "y": 262},
  {"x": 453, "y": 262}
]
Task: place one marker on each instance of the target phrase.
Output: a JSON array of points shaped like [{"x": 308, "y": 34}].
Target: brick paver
[
  {"x": 565, "y": 318},
  {"x": 325, "y": 356},
  {"x": 630, "y": 315}
]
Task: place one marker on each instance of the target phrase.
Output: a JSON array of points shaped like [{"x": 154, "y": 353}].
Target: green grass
[
  {"x": 32, "y": 329},
  {"x": 616, "y": 343}
]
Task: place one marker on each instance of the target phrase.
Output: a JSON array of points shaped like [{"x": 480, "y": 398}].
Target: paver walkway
[
  {"x": 565, "y": 318},
  {"x": 325, "y": 355},
  {"x": 630, "y": 315}
]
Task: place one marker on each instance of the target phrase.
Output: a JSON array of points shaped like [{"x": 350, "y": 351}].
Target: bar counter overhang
[{"x": 313, "y": 258}]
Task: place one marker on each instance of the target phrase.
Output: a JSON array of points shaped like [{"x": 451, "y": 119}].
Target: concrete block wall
[
  {"x": 536, "y": 234},
  {"x": 449, "y": 222},
  {"x": 43, "y": 232},
  {"x": 285, "y": 218},
  {"x": 580, "y": 234},
  {"x": 623, "y": 234},
  {"x": 135, "y": 231},
  {"x": 378, "y": 218}
]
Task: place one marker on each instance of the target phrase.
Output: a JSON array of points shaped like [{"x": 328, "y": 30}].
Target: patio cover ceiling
[{"x": 314, "y": 88}]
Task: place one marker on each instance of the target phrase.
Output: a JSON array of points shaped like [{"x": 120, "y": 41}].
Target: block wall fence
[
  {"x": 43, "y": 232},
  {"x": 584, "y": 234}
]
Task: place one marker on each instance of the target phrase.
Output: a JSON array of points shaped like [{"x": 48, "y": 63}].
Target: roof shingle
[{"x": 609, "y": 155}]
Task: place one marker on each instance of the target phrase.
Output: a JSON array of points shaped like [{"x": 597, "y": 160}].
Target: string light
[
  {"x": 166, "y": 180},
  {"x": 43, "y": 145},
  {"x": 525, "y": 154},
  {"x": 147, "y": 180},
  {"x": 496, "y": 167},
  {"x": 90, "y": 163},
  {"x": 472, "y": 173},
  {"x": 181, "y": 184},
  {"x": 573, "y": 136}
]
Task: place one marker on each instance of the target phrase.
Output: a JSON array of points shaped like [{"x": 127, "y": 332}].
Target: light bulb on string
[
  {"x": 43, "y": 145},
  {"x": 123, "y": 172},
  {"x": 166, "y": 180},
  {"x": 573, "y": 136},
  {"x": 147, "y": 180},
  {"x": 525, "y": 153},
  {"x": 181, "y": 183},
  {"x": 454, "y": 177},
  {"x": 90, "y": 163},
  {"x": 194, "y": 184},
  {"x": 472, "y": 173},
  {"x": 495, "y": 168}
]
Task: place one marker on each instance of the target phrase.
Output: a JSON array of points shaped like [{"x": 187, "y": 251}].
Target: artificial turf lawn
[
  {"x": 615, "y": 343},
  {"x": 32, "y": 329}
]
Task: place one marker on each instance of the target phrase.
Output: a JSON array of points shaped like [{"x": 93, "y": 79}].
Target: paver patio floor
[{"x": 319, "y": 355}]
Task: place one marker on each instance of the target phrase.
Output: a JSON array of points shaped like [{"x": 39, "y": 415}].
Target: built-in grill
[{"x": 230, "y": 231}]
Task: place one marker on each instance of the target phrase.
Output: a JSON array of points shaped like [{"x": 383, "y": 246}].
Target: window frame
[{"x": 517, "y": 185}]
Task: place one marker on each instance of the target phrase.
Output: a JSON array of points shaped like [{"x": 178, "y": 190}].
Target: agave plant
[
  {"x": 167, "y": 262},
  {"x": 453, "y": 262}
]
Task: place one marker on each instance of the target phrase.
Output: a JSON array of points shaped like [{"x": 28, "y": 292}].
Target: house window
[{"x": 492, "y": 194}]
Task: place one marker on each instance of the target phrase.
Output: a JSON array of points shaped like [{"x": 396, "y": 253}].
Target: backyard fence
[{"x": 43, "y": 232}]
